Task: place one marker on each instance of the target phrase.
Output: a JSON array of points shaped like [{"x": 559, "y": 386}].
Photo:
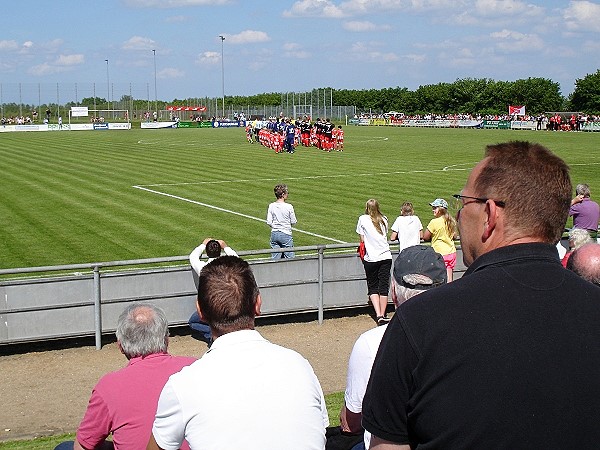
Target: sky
[{"x": 292, "y": 46}]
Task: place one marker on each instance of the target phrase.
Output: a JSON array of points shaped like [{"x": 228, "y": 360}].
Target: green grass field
[{"x": 71, "y": 197}]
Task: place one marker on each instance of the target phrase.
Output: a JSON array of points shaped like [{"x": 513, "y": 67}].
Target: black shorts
[{"x": 378, "y": 276}]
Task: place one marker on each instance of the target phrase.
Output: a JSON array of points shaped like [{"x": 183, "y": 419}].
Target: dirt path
[{"x": 46, "y": 392}]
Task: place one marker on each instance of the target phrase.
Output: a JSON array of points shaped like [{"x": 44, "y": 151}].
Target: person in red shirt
[{"x": 123, "y": 403}]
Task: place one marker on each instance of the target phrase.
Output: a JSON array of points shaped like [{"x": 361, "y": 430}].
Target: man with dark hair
[
  {"x": 213, "y": 250},
  {"x": 585, "y": 211},
  {"x": 123, "y": 403},
  {"x": 416, "y": 269},
  {"x": 585, "y": 262},
  {"x": 508, "y": 355},
  {"x": 245, "y": 392}
]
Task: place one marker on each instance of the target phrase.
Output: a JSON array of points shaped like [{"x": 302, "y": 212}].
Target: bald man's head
[{"x": 585, "y": 262}]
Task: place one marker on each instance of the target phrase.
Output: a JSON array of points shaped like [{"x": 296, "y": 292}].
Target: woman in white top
[
  {"x": 407, "y": 227},
  {"x": 372, "y": 227},
  {"x": 281, "y": 217}
]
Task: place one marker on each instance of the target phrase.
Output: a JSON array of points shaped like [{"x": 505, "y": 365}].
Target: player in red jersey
[{"x": 339, "y": 141}]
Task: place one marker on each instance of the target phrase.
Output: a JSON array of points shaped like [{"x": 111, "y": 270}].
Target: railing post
[
  {"x": 97, "y": 308},
  {"x": 320, "y": 250}
]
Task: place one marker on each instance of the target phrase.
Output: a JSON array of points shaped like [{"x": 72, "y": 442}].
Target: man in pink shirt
[{"x": 123, "y": 403}]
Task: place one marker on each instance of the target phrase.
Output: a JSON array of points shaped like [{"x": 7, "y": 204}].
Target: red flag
[{"x": 516, "y": 110}]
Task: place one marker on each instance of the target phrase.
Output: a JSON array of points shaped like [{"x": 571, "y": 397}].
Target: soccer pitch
[{"x": 79, "y": 197}]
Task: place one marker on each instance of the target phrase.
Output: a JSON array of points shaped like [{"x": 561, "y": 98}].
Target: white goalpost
[
  {"x": 81, "y": 114},
  {"x": 302, "y": 110}
]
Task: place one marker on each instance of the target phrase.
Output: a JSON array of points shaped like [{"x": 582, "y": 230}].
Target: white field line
[
  {"x": 179, "y": 144},
  {"x": 228, "y": 211},
  {"x": 145, "y": 187},
  {"x": 314, "y": 177}
]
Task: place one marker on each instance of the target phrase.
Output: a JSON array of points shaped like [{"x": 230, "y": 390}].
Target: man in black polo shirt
[{"x": 508, "y": 356}]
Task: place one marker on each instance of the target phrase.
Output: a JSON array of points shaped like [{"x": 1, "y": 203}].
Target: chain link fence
[{"x": 33, "y": 100}]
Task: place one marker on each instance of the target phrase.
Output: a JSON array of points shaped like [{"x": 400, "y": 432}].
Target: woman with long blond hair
[
  {"x": 372, "y": 228},
  {"x": 441, "y": 231}
]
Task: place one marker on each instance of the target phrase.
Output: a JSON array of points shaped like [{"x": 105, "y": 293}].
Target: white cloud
[
  {"x": 247, "y": 37},
  {"x": 582, "y": 16},
  {"x": 69, "y": 60},
  {"x": 415, "y": 58},
  {"x": 27, "y": 44},
  {"x": 494, "y": 13},
  {"x": 42, "y": 69},
  {"x": 62, "y": 63},
  {"x": 8, "y": 45},
  {"x": 369, "y": 52},
  {"x": 169, "y": 72},
  {"x": 294, "y": 50},
  {"x": 138, "y": 43},
  {"x": 506, "y": 8},
  {"x": 368, "y": 6},
  {"x": 362, "y": 26},
  {"x": 174, "y": 3},
  {"x": 514, "y": 41},
  {"x": 291, "y": 46},
  {"x": 209, "y": 58},
  {"x": 315, "y": 8}
]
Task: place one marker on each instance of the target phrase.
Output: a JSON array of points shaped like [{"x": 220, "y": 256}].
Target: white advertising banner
[
  {"x": 119, "y": 126},
  {"x": 155, "y": 125},
  {"x": 79, "y": 111}
]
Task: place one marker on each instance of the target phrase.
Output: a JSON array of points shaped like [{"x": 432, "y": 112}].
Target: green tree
[
  {"x": 586, "y": 96},
  {"x": 537, "y": 94}
]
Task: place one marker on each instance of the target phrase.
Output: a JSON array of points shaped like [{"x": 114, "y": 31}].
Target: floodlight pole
[
  {"x": 222, "y": 75},
  {"x": 155, "y": 94},
  {"x": 107, "y": 86}
]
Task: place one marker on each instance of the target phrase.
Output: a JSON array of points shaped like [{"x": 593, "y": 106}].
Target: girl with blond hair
[
  {"x": 407, "y": 227},
  {"x": 441, "y": 231},
  {"x": 372, "y": 227}
]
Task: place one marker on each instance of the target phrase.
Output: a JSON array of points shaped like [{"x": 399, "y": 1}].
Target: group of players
[{"x": 285, "y": 134}]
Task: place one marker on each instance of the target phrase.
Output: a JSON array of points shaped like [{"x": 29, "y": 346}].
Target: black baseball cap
[{"x": 420, "y": 267}]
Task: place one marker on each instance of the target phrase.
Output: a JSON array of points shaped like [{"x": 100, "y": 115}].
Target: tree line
[
  {"x": 464, "y": 96},
  {"x": 468, "y": 95}
]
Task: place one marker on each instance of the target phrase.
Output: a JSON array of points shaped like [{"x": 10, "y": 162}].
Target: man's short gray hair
[
  {"x": 578, "y": 237},
  {"x": 142, "y": 329},
  {"x": 403, "y": 293},
  {"x": 583, "y": 189}
]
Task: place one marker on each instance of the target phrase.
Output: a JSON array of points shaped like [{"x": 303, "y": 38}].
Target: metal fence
[
  {"x": 86, "y": 299},
  {"x": 33, "y": 99}
]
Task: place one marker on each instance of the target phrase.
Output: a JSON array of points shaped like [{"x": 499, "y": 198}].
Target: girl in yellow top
[{"x": 441, "y": 231}]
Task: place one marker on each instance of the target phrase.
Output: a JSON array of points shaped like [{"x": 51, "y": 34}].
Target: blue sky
[{"x": 294, "y": 46}]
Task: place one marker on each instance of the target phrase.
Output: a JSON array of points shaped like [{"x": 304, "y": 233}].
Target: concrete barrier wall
[{"x": 84, "y": 305}]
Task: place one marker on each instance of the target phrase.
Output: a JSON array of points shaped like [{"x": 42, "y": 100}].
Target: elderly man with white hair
[{"x": 123, "y": 402}]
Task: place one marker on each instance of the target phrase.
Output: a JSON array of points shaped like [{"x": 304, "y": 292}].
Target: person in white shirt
[
  {"x": 281, "y": 217},
  {"x": 245, "y": 392},
  {"x": 416, "y": 269},
  {"x": 407, "y": 227},
  {"x": 372, "y": 227},
  {"x": 213, "y": 249}
]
